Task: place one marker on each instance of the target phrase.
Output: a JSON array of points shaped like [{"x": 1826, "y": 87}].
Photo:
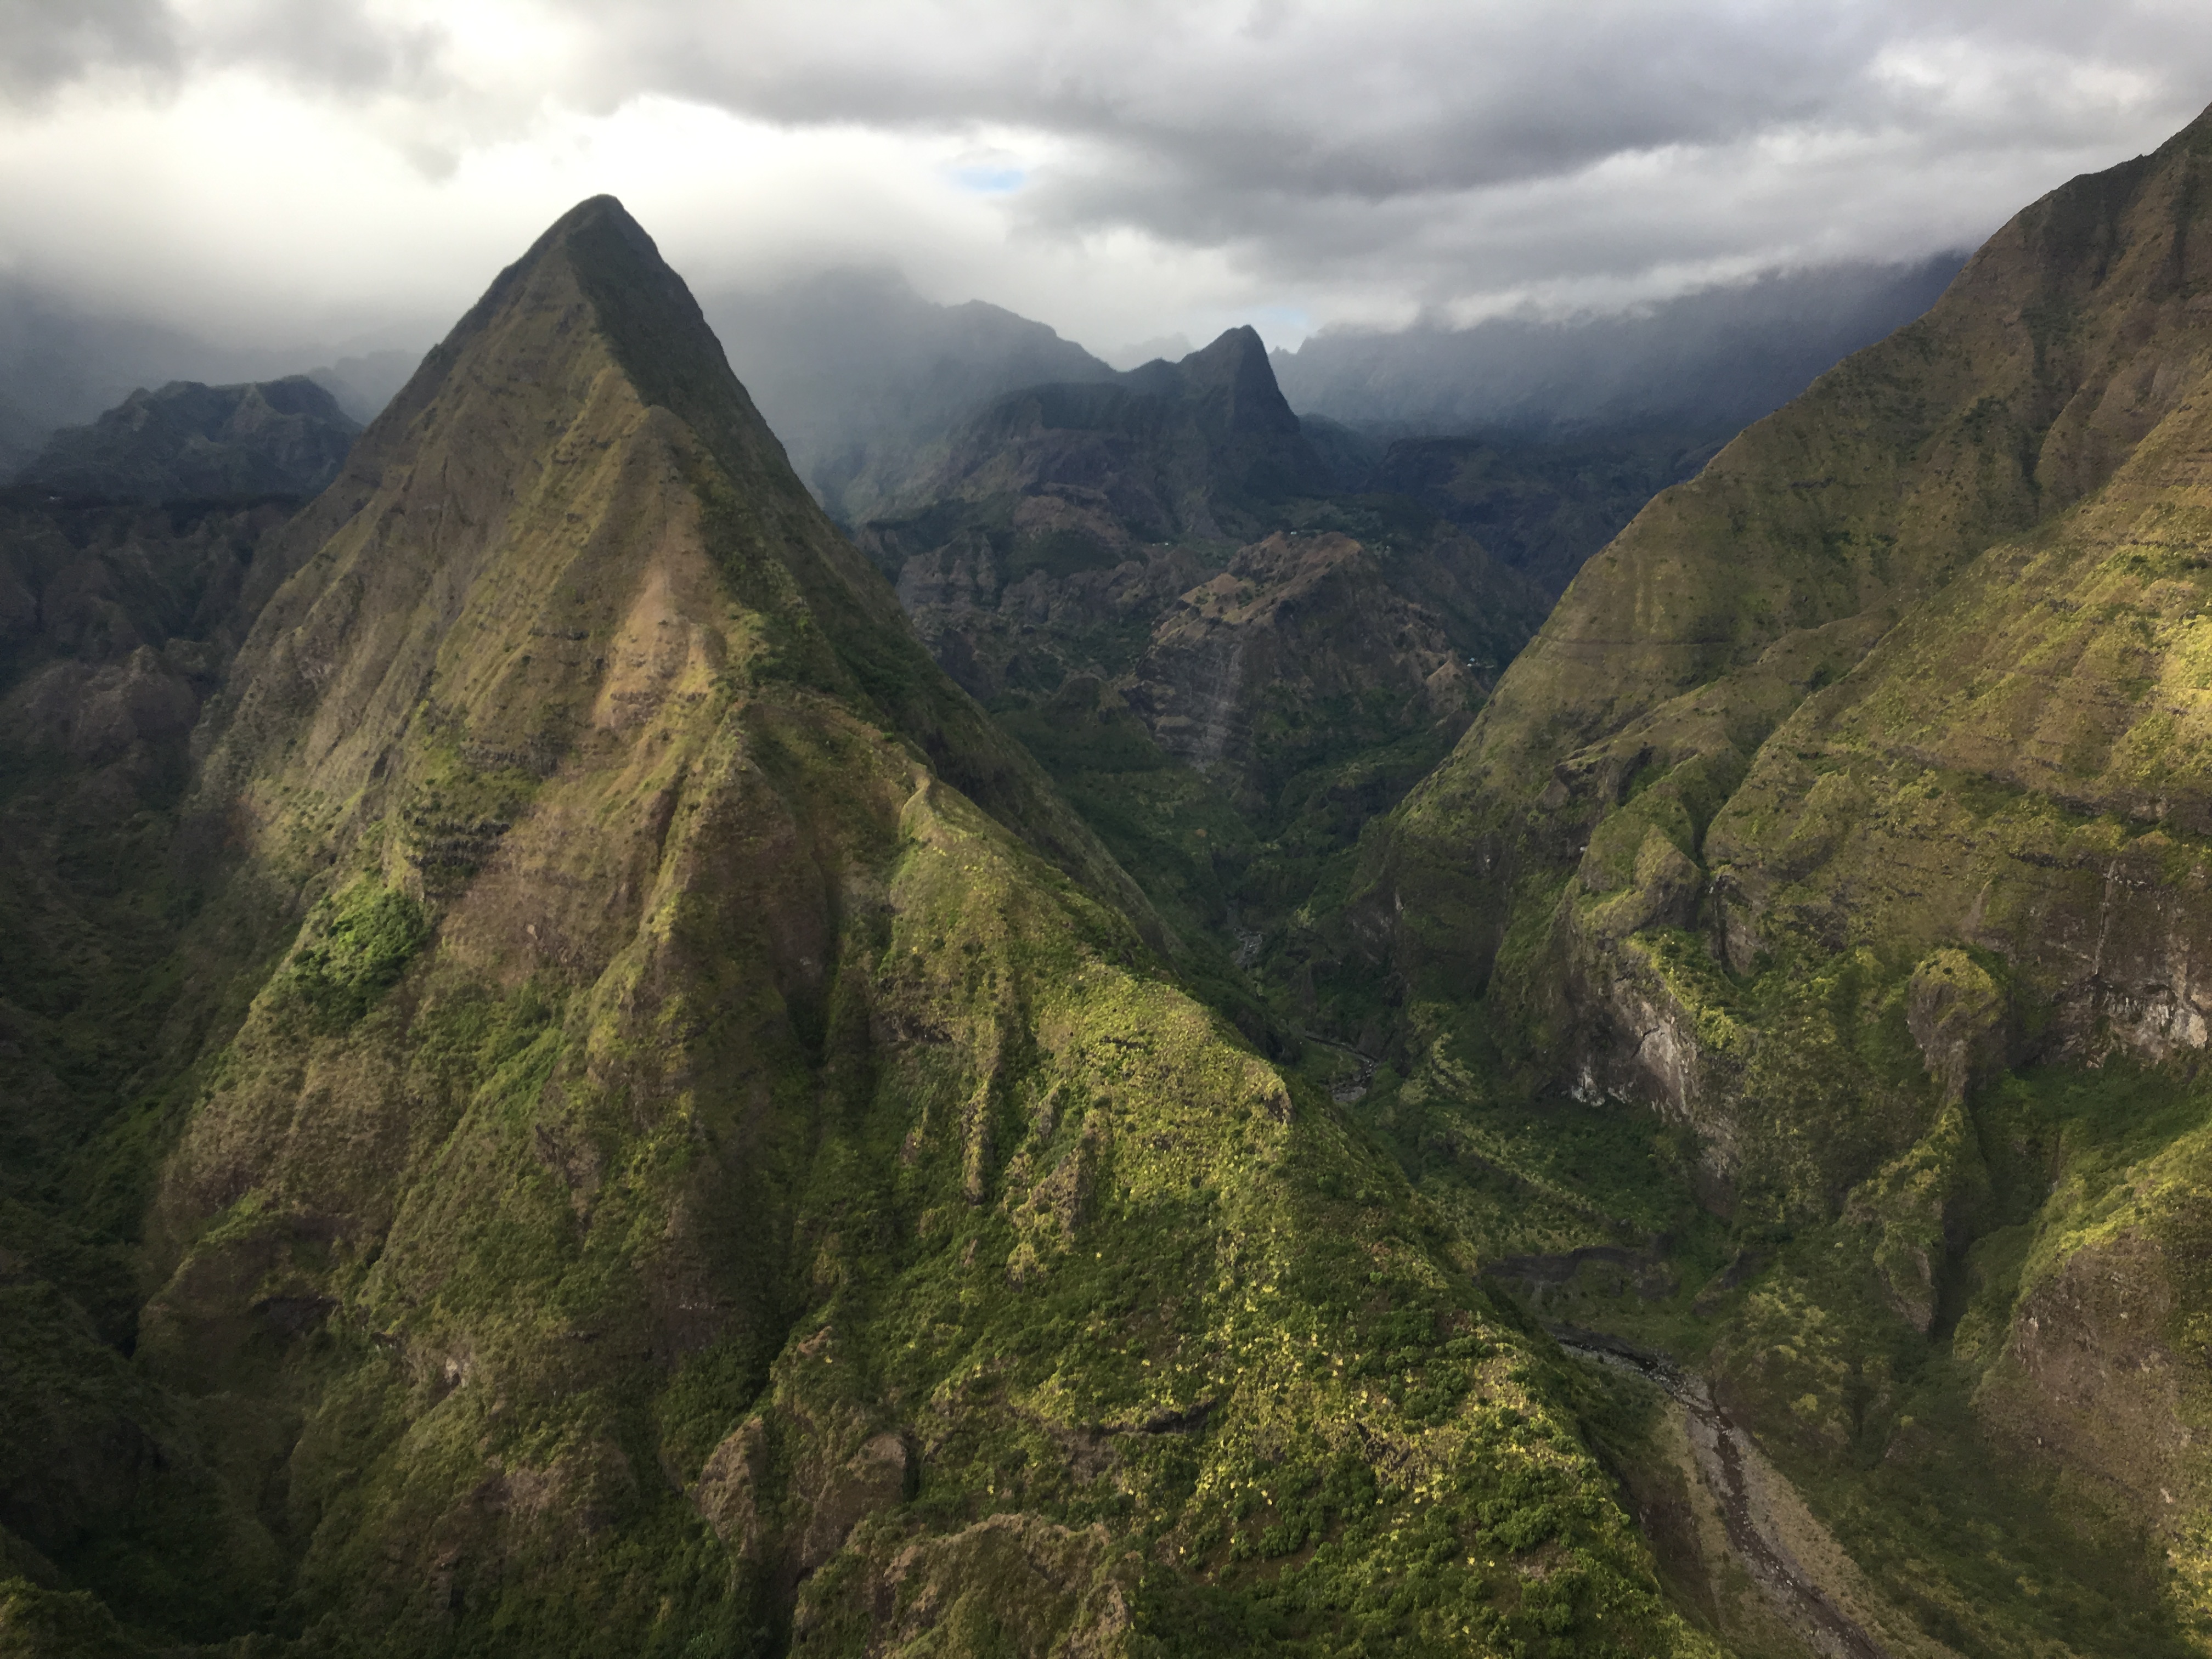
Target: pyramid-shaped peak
[
  {"x": 633, "y": 303},
  {"x": 1235, "y": 370},
  {"x": 1232, "y": 376},
  {"x": 1230, "y": 351}
]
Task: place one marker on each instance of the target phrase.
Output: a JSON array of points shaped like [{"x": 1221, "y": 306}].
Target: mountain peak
[
  {"x": 1234, "y": 368},
  {"x": 643, "y": 311},
  {"x": 1230, "y": 378}
]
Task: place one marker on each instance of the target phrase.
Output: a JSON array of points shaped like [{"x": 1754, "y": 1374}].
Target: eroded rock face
[
  {"x": 2090, "y": 1375},
  {"x": 1297, "y": 631},
  {"x": 1956, "y": 1013},
  {"x": 1032, "y": 631}
]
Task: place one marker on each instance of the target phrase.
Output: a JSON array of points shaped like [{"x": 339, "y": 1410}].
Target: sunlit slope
[
  {"x": 710, "y": 1164},
  {"x": 1678, "y": 650},
  {"x": 1853, "y": 812}
]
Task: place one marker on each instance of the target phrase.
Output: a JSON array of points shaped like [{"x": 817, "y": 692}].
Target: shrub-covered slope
[
  {"x": 691, "y": 1151},
  {"x": 1682, "y": 647},
  {"x": 1847, "y": 811}
]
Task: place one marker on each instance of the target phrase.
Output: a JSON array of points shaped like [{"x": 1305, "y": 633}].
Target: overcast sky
[{"x": 1119, "y": 169}]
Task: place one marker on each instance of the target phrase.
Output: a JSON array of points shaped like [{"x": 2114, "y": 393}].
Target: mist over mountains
[
  {"x": 63, "y": 364},
  {"x": 862, "y": 378},
  {"x": 1720, "y": 356},
  {"x": 859, "y": 374}
]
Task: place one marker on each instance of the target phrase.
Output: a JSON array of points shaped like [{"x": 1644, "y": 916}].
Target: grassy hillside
[{"x": 1836, "y": 846}]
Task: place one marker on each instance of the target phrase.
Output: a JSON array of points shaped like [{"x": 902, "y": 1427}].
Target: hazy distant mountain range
[
  {"x": 1719, "y": 357},
  {"x": 192, "y": 442},
  {"x": 63, "y": 364},
  {"x": 858, "y": 375},
  {"x": 862, "y": 378}
]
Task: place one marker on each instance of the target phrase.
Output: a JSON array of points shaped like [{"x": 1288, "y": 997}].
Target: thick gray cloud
[
  {"x": 1121, "y": 169},
  {"x": 45, "y": 44},
  {"x": 1304, "y": 132}
]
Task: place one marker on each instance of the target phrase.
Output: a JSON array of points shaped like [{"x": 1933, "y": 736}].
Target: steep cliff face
[
  {"x": 1308, "y": 646},
  {"x": 691, "y": 1151},
  {"x": 1847, "y": 811}
]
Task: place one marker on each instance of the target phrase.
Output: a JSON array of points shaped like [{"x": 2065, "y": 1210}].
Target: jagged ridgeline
[
  {"x": 685, "y": 1146},
  {"x": 1854, "y": 810}
]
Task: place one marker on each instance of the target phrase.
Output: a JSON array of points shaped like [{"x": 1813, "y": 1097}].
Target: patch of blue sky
[
  {"x": 990, "y": 180},
  {"x": 1281, "y": 326}
]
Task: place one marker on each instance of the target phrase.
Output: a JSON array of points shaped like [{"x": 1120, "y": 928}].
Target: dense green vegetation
[
  {"x": 659, "y": 1126},
  {"x": 664, "y": 1135}
]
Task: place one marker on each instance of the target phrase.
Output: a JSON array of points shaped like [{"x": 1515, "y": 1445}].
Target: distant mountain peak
[
  {"x": 1233, "y": 376},
  {"x": 190, "y": 440}
]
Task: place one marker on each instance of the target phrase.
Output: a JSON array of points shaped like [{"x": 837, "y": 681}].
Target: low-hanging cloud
[{"x": 1144, "y": 166}]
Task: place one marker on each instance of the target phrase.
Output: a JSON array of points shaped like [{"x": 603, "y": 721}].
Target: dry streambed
[{"x": 1802, "y": 1579}]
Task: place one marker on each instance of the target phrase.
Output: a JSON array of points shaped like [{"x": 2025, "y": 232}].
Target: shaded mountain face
[
  {"x": 1292, "y": 643},
  {"x": 863, "y": 379},
  {"x": 1848, "y": 815},
  {"x": 1205, "y": 448},
  {"x": 666, "y": 1136},
  {"x": 190, "y": 441},
  {"x": 1065, "y": 516},
  {"x": 1075, "y": 563},
  {"x": 115, "y": 626},
  {"x": 1538, "y": 505}
]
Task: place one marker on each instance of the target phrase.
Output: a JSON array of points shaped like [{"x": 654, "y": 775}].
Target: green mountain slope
[
  {"x": 677, "y": 1142},
  {"x": 1838, "y": 843},
  {"x": 2054, "y": 353}
]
